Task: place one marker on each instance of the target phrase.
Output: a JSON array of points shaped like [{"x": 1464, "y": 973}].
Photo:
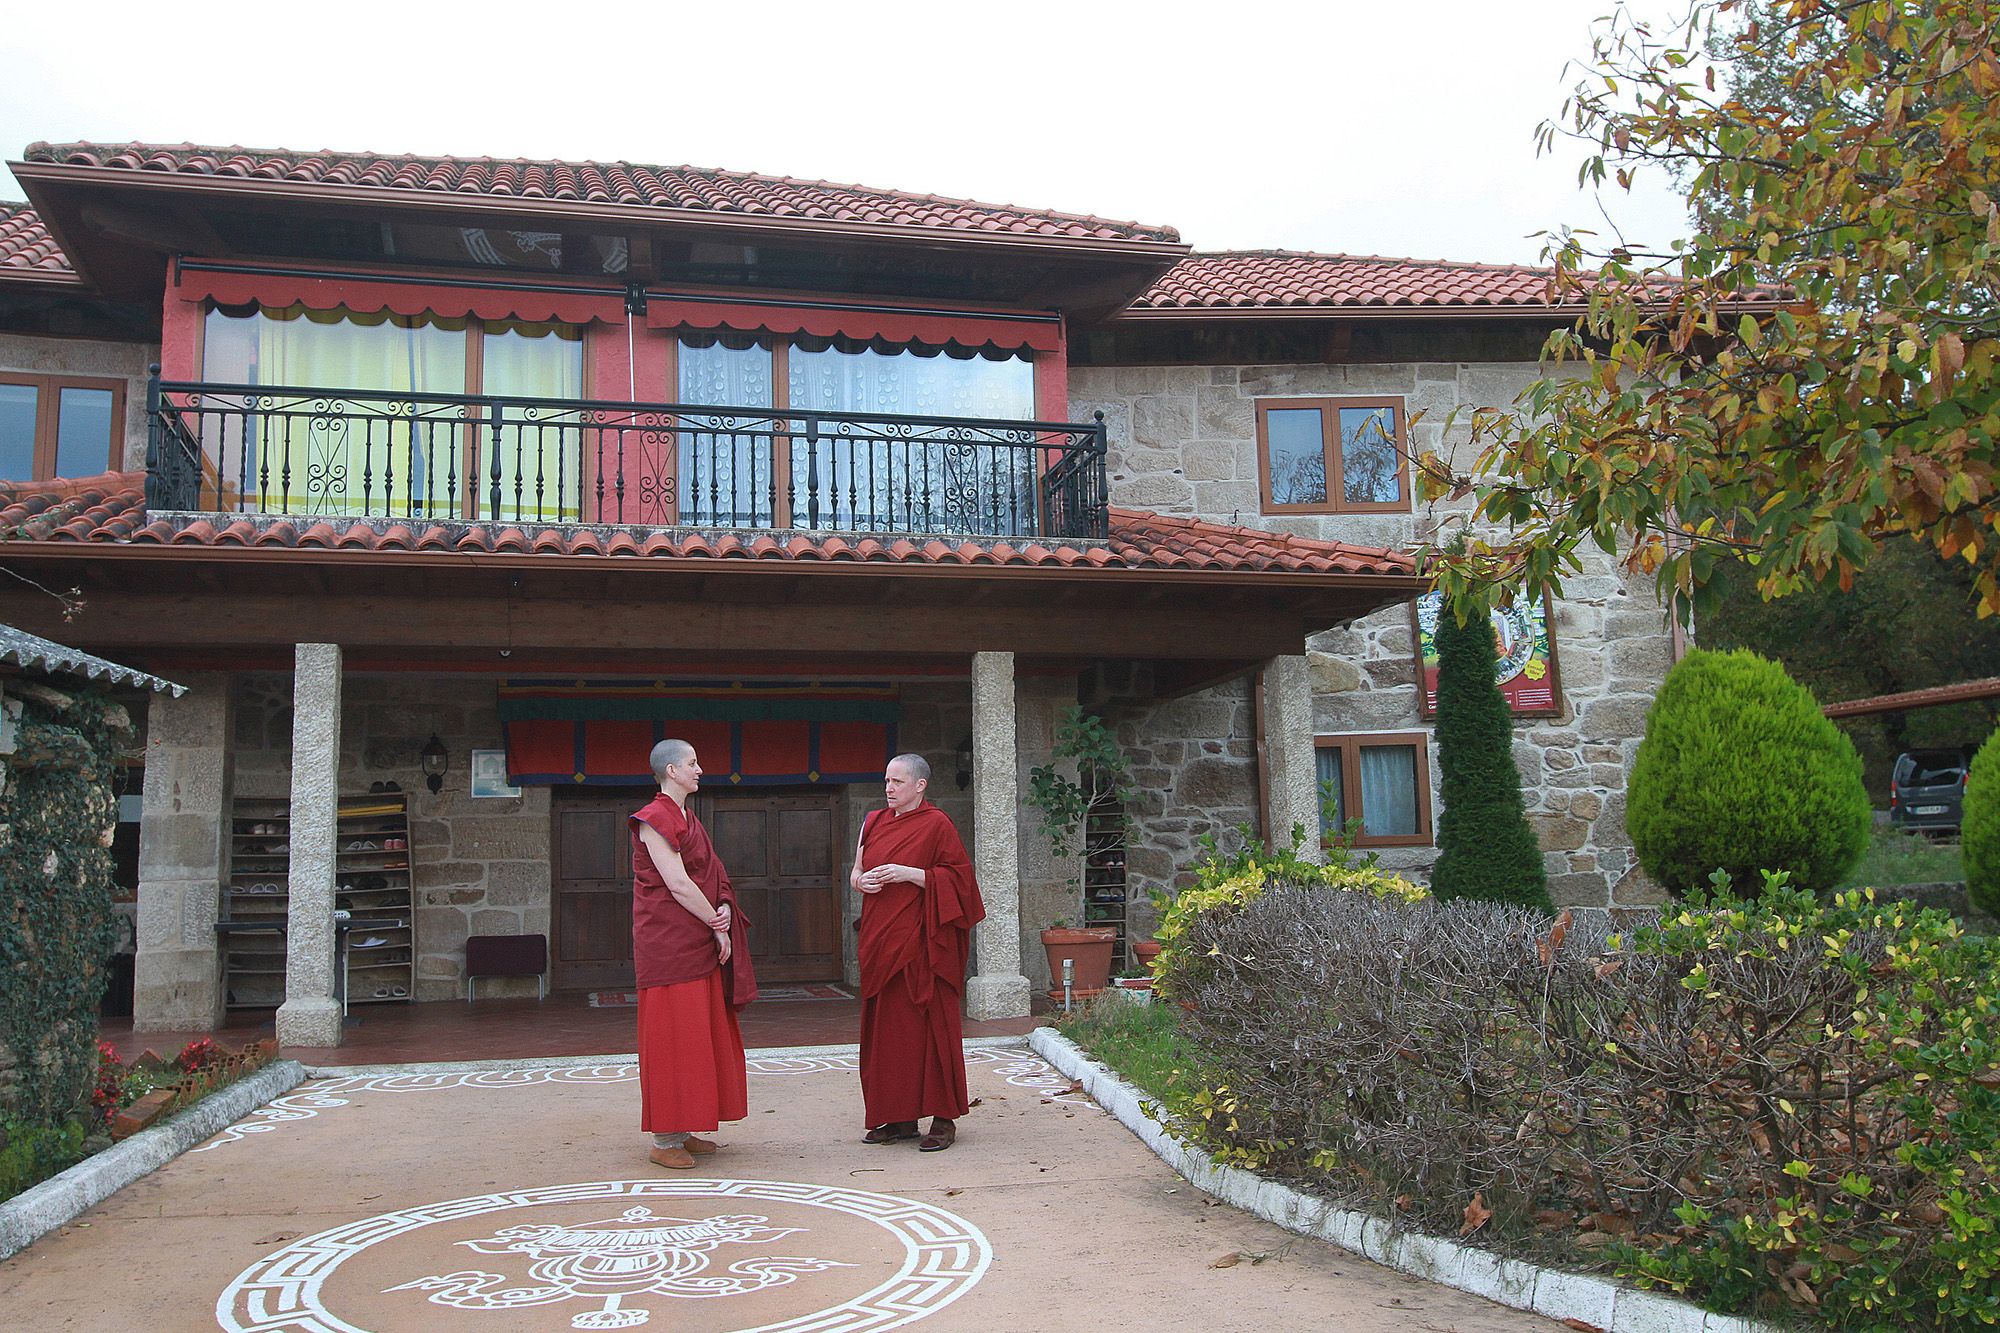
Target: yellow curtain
[
  {"x": 364, "y": 456},
  {"x": 541, "y": 459}
]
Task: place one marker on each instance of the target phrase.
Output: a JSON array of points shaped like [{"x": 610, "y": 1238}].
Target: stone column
[
  {"x": 310, "y": 1015},
  {"x": 997, "y": 990},
  {"x": 184, "y": 820},
  {"x": 1291, "y": 777}
]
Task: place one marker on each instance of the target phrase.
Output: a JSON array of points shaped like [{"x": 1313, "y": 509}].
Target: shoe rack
[
  {"x": 1104, "y": 863},
  {"x": 371, "y": 883}
]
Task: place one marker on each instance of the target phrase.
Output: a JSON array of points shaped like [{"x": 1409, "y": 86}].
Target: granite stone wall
[
  {"x": 479, "y": 866},
  {"x": 1183, "y": 441}
]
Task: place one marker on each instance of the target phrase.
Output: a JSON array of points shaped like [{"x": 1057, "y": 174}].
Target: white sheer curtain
[
  {"x": 889, "y": 485},
  {"x": 1388, "y": 790},
  {"x": 1332, "y": 800},
  {"x": 725, "y": 474}
]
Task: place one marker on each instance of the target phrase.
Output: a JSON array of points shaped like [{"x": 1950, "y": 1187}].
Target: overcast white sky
[{"x": 1401, "y": 129}]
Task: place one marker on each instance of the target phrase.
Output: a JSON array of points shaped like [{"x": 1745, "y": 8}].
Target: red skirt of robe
[
  {"x": 691, "y": 1075},
  {"x": 912, "y": 1055}
]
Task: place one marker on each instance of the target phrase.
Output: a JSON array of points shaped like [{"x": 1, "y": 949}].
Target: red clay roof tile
[
  {"x": 112, "y": 508},
  {"x": 26, "y": 246},
  {"x": 682, "y": 188}
]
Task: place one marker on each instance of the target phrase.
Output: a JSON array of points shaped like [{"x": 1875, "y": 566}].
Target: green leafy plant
[
  {"x": 1485, "y": 848},
  {"x": 1739, "y": 770},
  {"x": 1979, "y": 829},
  {"x": 1064, "y": 801},
  {"x": 32, "y": 1151}
]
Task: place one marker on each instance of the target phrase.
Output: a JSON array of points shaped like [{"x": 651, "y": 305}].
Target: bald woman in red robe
[
  {"x": 691, "y": 963},
  {"x": 919, "y": 905}
]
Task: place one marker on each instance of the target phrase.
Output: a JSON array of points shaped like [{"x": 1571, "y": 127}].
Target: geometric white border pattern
[
  {"x": 943, "y": 1254},
  {"x": 1016, "y": 1064},
  {"x": 1585, "y": 1297}
]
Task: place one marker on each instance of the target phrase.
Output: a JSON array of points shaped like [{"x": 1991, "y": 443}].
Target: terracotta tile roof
[
  {"x": 1288, "y": 278},
  {"x": 696, "y": 189},
  {"x": 25, "y": 244},
  {"x": 1296, "y": 280},
  {"x": 112, "y": 508},
  {"x": 105, "y": 508}
]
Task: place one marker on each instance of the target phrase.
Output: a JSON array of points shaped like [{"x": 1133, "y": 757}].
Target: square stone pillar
[
  {"x": 997, "y": 990},
  {"x": 1292, "y": 777},
  {"x": 183, "y": 856},
  {"x": 310, "y": 1015}
]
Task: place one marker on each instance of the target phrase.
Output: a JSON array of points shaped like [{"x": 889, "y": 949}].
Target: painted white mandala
[{"x": 944, "y": 1256}]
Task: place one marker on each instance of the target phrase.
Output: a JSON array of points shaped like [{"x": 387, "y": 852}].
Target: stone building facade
[{"x": 1184, "y": 440}]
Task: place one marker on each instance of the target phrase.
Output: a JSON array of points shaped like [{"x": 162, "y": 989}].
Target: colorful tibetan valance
[
  {"x": 863, "y": 323},
  {"x": 602, "y": 732}
]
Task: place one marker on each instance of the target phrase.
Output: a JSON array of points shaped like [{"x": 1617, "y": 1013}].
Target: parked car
[{"x": 1927, "y": 789}]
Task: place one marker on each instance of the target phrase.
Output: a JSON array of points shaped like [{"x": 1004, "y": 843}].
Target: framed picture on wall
[
  {"x": 1526, "y": 671},
  {"x": 489, "y": 774}
]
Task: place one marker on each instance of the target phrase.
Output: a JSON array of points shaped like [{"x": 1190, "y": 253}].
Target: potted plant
[{"x": 1066, "y": 804}]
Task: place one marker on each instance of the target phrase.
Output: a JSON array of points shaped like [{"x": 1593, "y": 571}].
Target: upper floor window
[
  {"x": 59, "y": 426},
  {"x": 363, "y": 448},
  {"x": 1333, "y": 455},
  {"x": 735, "y": 471}
]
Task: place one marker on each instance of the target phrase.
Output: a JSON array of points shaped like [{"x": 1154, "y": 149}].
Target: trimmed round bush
[
  {"x": 1980, "y": 829},
  {"x": 1741, "y": 772}
]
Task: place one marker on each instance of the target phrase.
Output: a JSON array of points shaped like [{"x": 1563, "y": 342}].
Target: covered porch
[{"x": 324, "y": 658}]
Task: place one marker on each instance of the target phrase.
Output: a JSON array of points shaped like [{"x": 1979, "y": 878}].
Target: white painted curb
[
  {"x": 33, "y": 1213},
  {"x": 1597, "y": 1301}
]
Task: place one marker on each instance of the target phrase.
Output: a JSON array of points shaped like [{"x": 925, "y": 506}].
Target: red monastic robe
[
  {"x": 691, "y": 1073},
  {"x": 914, "y": 944}
]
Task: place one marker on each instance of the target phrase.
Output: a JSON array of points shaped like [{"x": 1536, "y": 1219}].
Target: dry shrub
[{"x": 1765, "y": 1104}]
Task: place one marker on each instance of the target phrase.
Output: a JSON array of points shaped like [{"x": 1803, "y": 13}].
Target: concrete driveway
[{"x": 521, "y": 1198}]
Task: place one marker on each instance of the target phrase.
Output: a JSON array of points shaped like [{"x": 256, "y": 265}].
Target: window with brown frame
[
  {"x": 1383, "y": 780},
  {"x": 59, "y": 426},
  {"x": 1332, "y": 455}
]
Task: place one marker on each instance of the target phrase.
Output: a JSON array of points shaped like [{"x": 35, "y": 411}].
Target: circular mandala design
[{"x": 944, "y": 1255}]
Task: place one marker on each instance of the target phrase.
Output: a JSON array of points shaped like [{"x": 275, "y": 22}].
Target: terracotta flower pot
[
  {"x": 1144, "y": 952},
  {"x": 1089, "y": 948}
]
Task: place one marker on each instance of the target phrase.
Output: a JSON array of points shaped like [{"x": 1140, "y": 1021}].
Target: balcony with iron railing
[{"x": 258, "y": 450}]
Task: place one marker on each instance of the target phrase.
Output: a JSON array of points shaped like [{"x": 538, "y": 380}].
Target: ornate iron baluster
[{"x": 495, "y": 471}]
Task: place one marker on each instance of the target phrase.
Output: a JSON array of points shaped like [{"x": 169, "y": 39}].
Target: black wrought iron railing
[{"x": 304, "y": 452}]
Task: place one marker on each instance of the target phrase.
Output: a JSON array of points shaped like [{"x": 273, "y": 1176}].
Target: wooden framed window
[
  {"x": 59, "y": 426},
  {"x": 1333, "y": 455},
  {"x": 1383, "y": 779}
]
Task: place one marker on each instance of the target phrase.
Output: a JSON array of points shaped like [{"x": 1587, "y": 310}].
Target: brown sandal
[
  {"x": 894, "y": 1132},
  {"x": 943, "y": 1134}
]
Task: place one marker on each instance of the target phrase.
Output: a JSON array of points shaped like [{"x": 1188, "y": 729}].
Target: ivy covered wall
[{"x": 57, "y": 817}]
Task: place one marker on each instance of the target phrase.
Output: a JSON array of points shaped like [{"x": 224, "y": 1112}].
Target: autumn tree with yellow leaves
[{"x": 1815, "y": 370}]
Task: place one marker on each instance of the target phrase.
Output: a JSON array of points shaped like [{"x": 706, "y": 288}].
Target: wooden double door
[{"x": 782, "y": 849}]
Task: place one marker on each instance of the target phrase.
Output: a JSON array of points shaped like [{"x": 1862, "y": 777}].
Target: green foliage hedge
[
  {"x": 56, "y": 929},
  {"x": 1740, "y": 771},
  {"x": 1773, "y": 1106},
  {"x": 1485, "y": 848},
  {"x": 1980, "y": 827}
]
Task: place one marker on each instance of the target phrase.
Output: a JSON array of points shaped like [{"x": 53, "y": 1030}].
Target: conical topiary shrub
[
  {"x": 1980, "y": 827},
  {"x": 1740, "y": 771},
  {"x": 1485, "y": 848}
]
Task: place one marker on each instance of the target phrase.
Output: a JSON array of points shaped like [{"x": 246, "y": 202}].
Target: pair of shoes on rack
[
  {"x": 392, "y": 992},
  {"x": 385, "y": 788},
  {"x": 361, "y": 845}
]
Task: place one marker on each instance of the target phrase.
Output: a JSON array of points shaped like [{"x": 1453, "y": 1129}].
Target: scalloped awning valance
[{"x": 536, "y": 303}]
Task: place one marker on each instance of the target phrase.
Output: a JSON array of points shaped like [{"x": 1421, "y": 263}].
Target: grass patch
[
  {"x": 1897, "y": 856},
  {"x": 1142, "y": 1042}
]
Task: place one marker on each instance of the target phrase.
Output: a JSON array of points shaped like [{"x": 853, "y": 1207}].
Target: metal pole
[{"x": 1069, "y": 980}]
